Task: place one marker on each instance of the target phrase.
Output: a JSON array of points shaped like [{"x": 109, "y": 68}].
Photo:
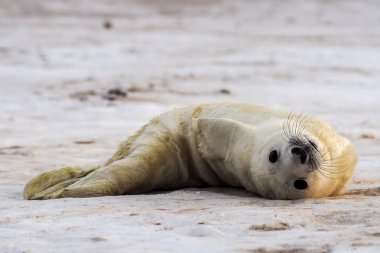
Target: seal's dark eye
[
  {"x": 273, "y": 156},
  {"x": 300, "y": 184}
]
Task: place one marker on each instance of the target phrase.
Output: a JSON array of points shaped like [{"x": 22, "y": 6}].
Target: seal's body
[{"x": 271, "y": 153}]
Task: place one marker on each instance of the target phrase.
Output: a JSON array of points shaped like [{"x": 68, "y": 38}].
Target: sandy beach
[{"x": 78, "y": 77}]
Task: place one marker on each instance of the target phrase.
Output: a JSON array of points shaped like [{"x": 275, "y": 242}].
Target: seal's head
[
  {"x": 305, "y": 159},
  {"x": 278, "y": 157}
]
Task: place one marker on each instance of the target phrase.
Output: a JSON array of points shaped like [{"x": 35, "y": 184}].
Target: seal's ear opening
[{"x": 224, "y": 138}]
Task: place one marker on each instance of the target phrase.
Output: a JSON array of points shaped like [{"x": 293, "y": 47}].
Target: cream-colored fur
[{"x": 224, "y": 144}]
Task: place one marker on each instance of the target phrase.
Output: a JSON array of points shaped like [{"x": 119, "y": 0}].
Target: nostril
[
  {"x": 303, "y": 157},
  {"x": 300, "y": 184},
  {"x": 296, "y": 151},
  {"x": 301, "y": 152}
]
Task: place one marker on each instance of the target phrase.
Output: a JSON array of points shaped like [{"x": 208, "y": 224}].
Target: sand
[{"x": 78, "y": 77}]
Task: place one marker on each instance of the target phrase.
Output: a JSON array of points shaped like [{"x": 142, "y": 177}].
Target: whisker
[
  {"x": 334, "y": 171},
  {"x": 305, "y": 123},
  {"x": 289, "y": 125},
  {"x": 337, "y": 165},
  {"x": 318, "y": 170},
  {"x": 284, "y": 131},
  {"x": 294, "y": 125},
  {"x": 297, "y": 123},
  {"x": 338, "y": 159}
]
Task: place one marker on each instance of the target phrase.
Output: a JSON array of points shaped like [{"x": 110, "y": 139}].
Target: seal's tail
[{"x": 47, "y": 183}]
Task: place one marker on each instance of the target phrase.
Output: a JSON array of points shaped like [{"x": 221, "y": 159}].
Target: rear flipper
[
  {"x": 49, "y": 183},
  {"x": 149, "y": 166},
  {"x": 140, "y": 165}
]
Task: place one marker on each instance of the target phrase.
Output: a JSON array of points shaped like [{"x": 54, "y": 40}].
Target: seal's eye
[
  {"x": 300, "y": 184},
  {"x": 273, "y": 156}
]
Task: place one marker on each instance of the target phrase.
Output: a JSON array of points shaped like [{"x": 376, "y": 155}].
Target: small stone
[
  {"x": 107, "y": 25},
  {"x": 274, "y": 227},
  {"x": 368, "y": 136},
  {"x": 97, "y": 239},
  {"x": 225, "y": 91}
]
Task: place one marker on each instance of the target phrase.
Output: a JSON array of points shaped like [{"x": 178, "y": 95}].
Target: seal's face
[
  {"x": 293, "y": 164},
  {"x": 315, "y": 162},
  {"x": 300, "y": 152}
]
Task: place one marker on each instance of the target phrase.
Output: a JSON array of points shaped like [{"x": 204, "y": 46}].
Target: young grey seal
[{"x": 274, "y": 154}]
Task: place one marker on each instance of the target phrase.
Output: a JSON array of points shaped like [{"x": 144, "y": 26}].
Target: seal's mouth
[{"x": 300, "y": 184}]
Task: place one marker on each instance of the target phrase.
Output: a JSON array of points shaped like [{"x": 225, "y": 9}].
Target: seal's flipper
[
  {"x": 53, "y": 190},
  {"x": 135, "y": 174},
  {"x": 52, "y": 181},
  {"x": 146, "y": 167},
  {"x": 219, "y": 138}
]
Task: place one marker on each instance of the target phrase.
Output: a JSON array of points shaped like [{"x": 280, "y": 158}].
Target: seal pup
[{"x": 273, "y": 154}]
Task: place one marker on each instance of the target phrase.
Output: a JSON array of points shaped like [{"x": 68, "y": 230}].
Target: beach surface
[{"x": 78, "y": 77}]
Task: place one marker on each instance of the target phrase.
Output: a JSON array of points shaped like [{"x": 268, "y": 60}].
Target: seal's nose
[{"x": 302, "y": 152}]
